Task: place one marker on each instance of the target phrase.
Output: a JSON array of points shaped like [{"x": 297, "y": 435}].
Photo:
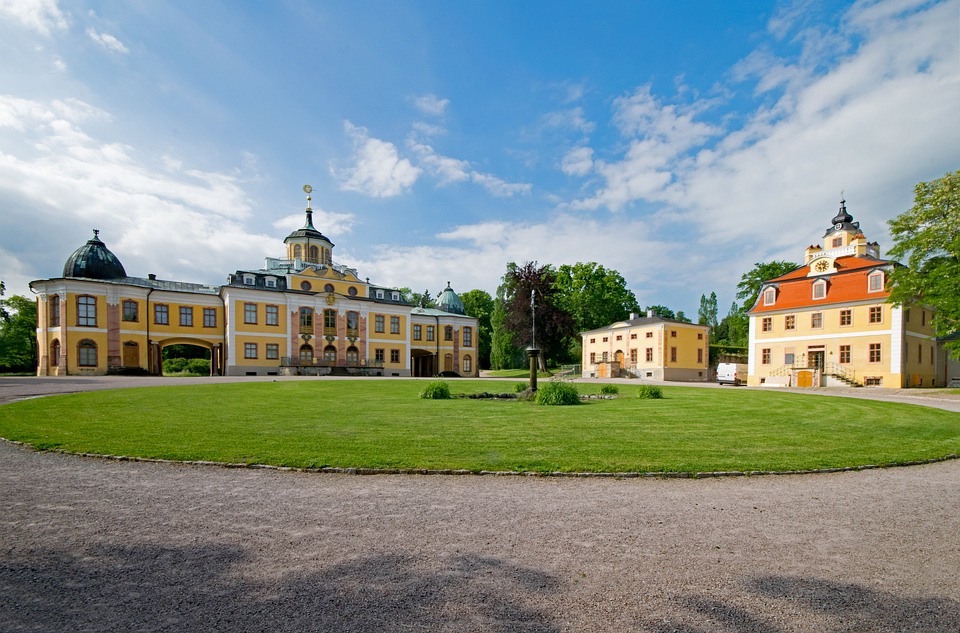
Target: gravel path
[{"x": 100, "y": 545}]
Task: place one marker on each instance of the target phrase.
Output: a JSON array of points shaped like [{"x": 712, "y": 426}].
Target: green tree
[
  {"x": 661, "y": 311},
  {"x": 708, "y": 313},
  {"x": 422, "y": 299},
  {"x": 680, "y": 316},
  {"x": 504, "y": 354},
  {"x": 553, "y": 324},
  {"x": 927, "y": 236},
  {"x": 479, "y": 304},
  {"x": 593, "y": 295},
  {"x": 751, "y": 281},
  {"x": 18, "y": 333},
  {"x": 733, "y": 328}
]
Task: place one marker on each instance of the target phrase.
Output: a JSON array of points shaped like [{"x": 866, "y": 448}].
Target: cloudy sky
[{"x": 676, "y": 142}]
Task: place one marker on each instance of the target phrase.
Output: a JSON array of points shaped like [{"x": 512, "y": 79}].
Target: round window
[
  {"x": 328, "y": 288},
  {"x": 305, "y": 285},
  {"x": 352, "y": 291}
]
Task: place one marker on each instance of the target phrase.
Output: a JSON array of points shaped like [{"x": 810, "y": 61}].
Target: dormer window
[
  {"x": 395, "y": 296},
  {"x": 249, "y": 280},
  {"x": 379, "y": 294},
  {"x": 769, "y": 296},
  {"x": 271, "y": 282},
  {"x": 875, "y": 281},
  {"x": 819, "y": 289}
]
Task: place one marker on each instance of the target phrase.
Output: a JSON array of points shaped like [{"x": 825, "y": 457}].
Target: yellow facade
[
  {"x": 647, "y": 347},
  {"x": 298, "y": 314},
  {"x": 830, "y": 323}
]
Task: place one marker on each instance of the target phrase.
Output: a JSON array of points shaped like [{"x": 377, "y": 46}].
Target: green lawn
[{"x": 383, "y": 424}]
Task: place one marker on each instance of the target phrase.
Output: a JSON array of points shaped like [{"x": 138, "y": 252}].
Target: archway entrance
[
  {"x": 186, "y": 357},
  {"x": 422, "y": 363}
]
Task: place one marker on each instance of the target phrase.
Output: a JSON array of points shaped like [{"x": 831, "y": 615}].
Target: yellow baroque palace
[
  {"x": 299, "y": 314},
  {"x": 830, "y": 323}
]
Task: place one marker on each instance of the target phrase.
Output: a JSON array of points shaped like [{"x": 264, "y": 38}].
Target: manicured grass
[
  {"x": 522, "y": 374},
  {"x": 384, "y": 424}
]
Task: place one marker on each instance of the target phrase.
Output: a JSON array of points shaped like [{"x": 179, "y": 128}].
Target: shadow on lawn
[{"x": 116, "y": 588}]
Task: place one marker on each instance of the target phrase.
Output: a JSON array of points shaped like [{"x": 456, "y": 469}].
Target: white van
[{"x": 732, "y": 374}]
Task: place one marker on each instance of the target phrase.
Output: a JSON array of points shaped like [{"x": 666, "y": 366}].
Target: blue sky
[{"x": 676, "y": 142}]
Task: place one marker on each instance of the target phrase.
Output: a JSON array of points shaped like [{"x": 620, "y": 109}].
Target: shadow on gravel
[
  {"x": 834, "y": 606},
  {"x": 208, "y": 589}
]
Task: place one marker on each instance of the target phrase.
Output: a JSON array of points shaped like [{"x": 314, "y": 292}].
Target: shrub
[
  {"x": 558, "y": 393},
  {"x": 520, "y": 387},
  {"x": 174, "y": 365},
  {"x": 436, "y": 390},
  {"x": 609, "y": 390},
  {"x": 198, "y": 366},
  {"x": 650, "y": 391}
]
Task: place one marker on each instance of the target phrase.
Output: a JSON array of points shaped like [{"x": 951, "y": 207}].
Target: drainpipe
[
  {"x": 437, "y": 341},
  {"x": 146, "y": 317},
  {"x": 223, "y": 345}
]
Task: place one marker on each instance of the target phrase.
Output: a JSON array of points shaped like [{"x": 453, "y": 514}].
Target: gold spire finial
[{"x": 307, "y": 189}]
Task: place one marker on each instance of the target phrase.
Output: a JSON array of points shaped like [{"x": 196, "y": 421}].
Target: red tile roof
[{"x": 849, "y": 283}]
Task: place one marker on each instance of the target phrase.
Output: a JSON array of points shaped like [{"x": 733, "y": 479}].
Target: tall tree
[
  {"x": 504, "y": 354},
  {"x": 553, "y": 324},
  {"x": 733, "y": 328},
  {"x": 479, "y": 304},
  {"x": 928, "y": 237},
  {"x": 708, "y": 312},
  {"x": 18, "y": 334},
  {"x": 750, "y": 283},
  {"x": 594, "y": 296}
]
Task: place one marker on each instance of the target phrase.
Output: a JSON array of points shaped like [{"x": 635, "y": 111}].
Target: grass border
[{"x": 333, "y": 470}]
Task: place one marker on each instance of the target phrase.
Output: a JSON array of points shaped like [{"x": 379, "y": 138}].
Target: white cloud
[
  {"x": 329, "y": 223},
  {"x": 479, "y": 260},
  {"x": 107, "y": 41},
  {"x": 377, "y": 170},
  {"x": 570, "y": 119},
  {"x": 43, "y": 16},
  {"x": 431, "y": 104},
  {"x": 577, "y": 162},
  {"x": 449, "y": 170},
  {"x": 71, "y": 183},
  {"x": 499, "y": 187}
]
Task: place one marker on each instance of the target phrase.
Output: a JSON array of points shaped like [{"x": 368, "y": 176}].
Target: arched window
[
  {"x": 87, "y": 353},
  {"x": 55, "y": 353},
  {"x": 314, "y": 255},
  {"x": 448, "y": 332},
  {"x": 353, "y": 354},
  {"x": 329, "y": 354},
  {"x": 467, "y": 364},
  {"x": 353, "y": 322},
  {"x": 297, "y": 251},
  {"x": 448, "y": 362},
  {"x": 306, "y": 353}
]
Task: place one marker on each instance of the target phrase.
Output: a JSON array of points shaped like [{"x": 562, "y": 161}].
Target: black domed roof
[
  {"x": 308, "y": 230},
  {"x": 94, "y": 260}
]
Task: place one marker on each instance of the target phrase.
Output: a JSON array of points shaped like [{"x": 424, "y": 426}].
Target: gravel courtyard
[{"x": 100, "y": 545}]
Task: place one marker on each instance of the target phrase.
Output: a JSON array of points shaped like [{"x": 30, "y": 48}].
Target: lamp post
[{"x": 532, "y": 351}]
